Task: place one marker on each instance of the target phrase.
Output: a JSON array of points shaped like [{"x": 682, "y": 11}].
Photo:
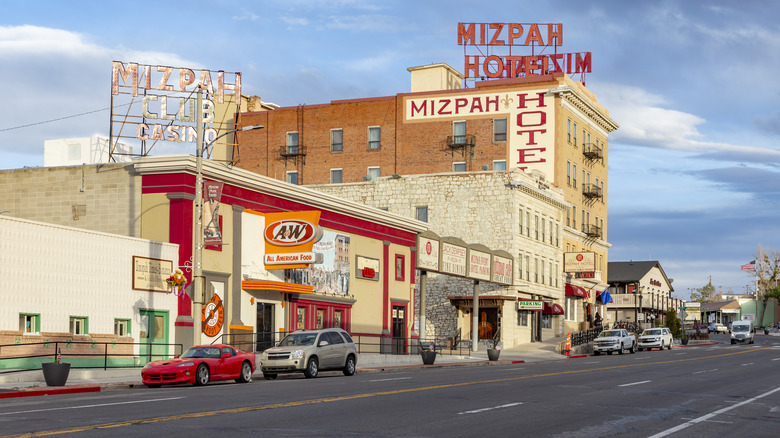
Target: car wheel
[
  {"x": 621, "y": 349},
  {"x": 312, "y": 368},
  {"x": 269, "y": 376},
  {"x": 733, "y": 342},
  {"x": 349, "y": 367},
  {"x": 669, "y": 347},
  {"x": 632, "y": 350},
  {"x": 246, "y": 373},
  {"x": 596, "y": 353},
  {"x": 202, "y": 375}
]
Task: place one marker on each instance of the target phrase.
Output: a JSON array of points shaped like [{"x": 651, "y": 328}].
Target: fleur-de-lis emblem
[{"x": 506, "y": 101}]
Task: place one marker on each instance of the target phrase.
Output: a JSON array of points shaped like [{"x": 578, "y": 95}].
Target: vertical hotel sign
[
  {"x": 290, "y": 238},
  {"x": 530, "y": 120}
]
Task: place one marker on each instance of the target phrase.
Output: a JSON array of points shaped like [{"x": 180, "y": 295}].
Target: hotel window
[
  {"x": 373, "y": 138},
  {"x": 459, "y": 132},
  {"x": 528, "y": 268},
  {"x": 602, "y": 192},
  {"x": 536, "y": 270},
  {"x": 571, "y": 309},
  {"x": 602, "y": 229},
  {"x": 520, "y": 266},
  {"x": 499, "y": 165},
  {"x": 584, "y": 224},
  {"x": 589, "y": 138},
  {"x": 336, "y": 176},
  {"x": 336, "y": 140},
  {"x": 568, "y": 130},
  {"x": 541, "y": 272},
  {"x": 78, "y": 325},
  {"x": 528, "y": 223},
  {"x": 522, "y": 318},
  {"x": 536, "y": 226},
  {"x": 373, "y": 173},
  {"x": 556, "y": 275},
  {"x": 459, "y": 167},
  {"x": 292, "y": 177},
  {"x": 575, "y": 133},
  {"x": 568, "y": 172},
  {"x": 544, "y": 228},
  {"x": 568, "y": 217},
  {"x": 584, "y": 181},
  {"x": 292, "y": 142},
  {"x": 122, "y": 327},
  {"x": 574, "y": 216},
  {"x": 551, "y": 232},
  {"x": 29, "y": 323},
  {"x": 574, "y": 175},
  {"x": 421, "y": 213},
  {"x": 557, "y": 234},
  {"x": 551, "y": 274},
  {"x": 546, "y": 321},
  {"x": 499, "y": 130},
  {"x": 521, "y": 221},
  {"x": 583, "y": 137}
]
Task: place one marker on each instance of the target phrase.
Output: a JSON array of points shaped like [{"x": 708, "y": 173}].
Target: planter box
[
  {"x": 55, "y": 374},
  {"x": 493, "y": 353},
  {"x": 428, "y": 357}
]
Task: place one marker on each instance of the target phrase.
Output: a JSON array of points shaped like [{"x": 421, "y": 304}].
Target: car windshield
[
  {"x": 608, "y": 333},
  {"x": 298, "y": 339},
  {"x": 740, "y": 329},
  {"x": 201, "y": 352},
  {"x": 651, "y": 332}
]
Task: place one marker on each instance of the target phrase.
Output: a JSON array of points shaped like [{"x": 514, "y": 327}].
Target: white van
[{"x": 742, "y": 331}]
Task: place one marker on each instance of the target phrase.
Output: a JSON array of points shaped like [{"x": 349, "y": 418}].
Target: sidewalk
[{"x": 31, "y": 382}]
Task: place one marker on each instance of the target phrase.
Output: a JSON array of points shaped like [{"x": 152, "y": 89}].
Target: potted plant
[
  {"x": 494, "y": 350},
  {"x": 56, "y": 373},
  {"x": 428, "y": 354}
]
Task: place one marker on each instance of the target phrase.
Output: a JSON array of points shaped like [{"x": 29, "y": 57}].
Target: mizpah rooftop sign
[{"x": 488, "y": 50}]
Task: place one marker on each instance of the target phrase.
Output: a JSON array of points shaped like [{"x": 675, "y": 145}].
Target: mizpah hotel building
[{"x": 513, "y": 164}]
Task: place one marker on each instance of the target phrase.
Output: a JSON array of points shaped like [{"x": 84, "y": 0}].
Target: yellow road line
[{"x": 351, "y": 397}]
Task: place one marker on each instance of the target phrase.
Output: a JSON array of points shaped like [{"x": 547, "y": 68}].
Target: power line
[{"x": 56, "y": 120}]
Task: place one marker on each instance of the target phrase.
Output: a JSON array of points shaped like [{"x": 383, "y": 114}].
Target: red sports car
[{"x": 200, "y": 365}]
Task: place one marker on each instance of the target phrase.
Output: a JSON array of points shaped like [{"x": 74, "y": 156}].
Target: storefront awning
[
  {"x": 577, "y": 291},
  {"x": 552, "y": 309},
  {"x": 280, "y": 286}
]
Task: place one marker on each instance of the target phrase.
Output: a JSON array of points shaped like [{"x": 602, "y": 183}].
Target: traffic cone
[{"x": 568, "y": 343}]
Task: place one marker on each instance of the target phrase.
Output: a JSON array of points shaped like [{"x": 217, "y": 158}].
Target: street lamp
[{"x": 197, "y": 230}]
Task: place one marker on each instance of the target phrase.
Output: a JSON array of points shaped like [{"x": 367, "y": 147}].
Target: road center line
[
  {"x": 91, "y": 406},
  {"x": 490, "y": 409},
  {"x": 713, "y": 414},
  {"x": 636, "y": 383},
  {"x": 387, "y": 380}
]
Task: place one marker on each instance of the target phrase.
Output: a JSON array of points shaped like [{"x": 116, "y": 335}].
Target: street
[{"x": 716, "y": 390}]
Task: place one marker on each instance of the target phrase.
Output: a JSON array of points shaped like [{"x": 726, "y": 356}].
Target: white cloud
[{"x": 32, "y": 41}]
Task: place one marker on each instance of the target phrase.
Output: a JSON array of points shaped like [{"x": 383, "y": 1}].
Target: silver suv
[{"x": 309, "y": 351}]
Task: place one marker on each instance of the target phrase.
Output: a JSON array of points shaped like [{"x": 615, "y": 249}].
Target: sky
[{"x": 693, "y": 168}]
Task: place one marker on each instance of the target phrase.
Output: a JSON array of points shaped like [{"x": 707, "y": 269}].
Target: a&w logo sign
[{"x": 290, "y": 232}]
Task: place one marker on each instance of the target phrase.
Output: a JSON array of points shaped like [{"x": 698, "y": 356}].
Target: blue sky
[{"x": 693, "y": 178}]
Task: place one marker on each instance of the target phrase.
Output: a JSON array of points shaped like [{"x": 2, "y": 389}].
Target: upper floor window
[
  {"x": 499, "y": 130},
  {"x": 292, "y": 177},
  {"x": 373, "y": 137},
  {"x": 568, "y": 130},
  {"x": 459, "y": 132},
  {"x": 336, "y": 140},
  {"x": 336, "y": 176},
  {"x": 575, "y": 133},
  {"x": 574, "y": 175},
  {"x": 421, "y": 213},
  {"x": 499, "y": 165},
  {"x": 568, "y": 172},
  {"x": 292, "y": 142}
]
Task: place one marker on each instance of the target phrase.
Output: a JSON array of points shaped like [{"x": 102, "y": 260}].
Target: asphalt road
[{"x": 719, "y": 390}]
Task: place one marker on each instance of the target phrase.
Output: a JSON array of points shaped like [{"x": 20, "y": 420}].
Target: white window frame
[
  {"x": 340, "y": 173},
  {"x": 340, "y": 144},
  {"x": 374, "y": 145},
  {"x": 459, "y": 166},
  {"x": 289, "y": 176},
  {"x": 501, "y": 164},
  {"x": 373, "y": 172}
]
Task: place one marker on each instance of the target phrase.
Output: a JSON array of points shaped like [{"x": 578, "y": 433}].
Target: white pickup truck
[{"x": 614, "y": 340}]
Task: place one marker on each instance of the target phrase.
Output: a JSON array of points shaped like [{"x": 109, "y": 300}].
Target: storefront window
[
  {"x": 301, "y": 318},
  {"x": 546, "y": 321},
  {"x": 320, "y": 318}
]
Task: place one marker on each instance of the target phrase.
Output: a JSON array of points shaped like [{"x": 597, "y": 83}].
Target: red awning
[
  {"x": 552, "y": 309},
  {"x": 576, "y": 291}
]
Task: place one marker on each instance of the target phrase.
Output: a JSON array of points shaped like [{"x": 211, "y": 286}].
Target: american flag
[{"x": 750, "y": 266}]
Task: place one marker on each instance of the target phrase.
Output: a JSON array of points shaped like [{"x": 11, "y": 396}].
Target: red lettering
[
  {"x": 445, "y": 103},
  {"x": 460, "y": 103},
  {"x": 471, "y": 67},
  {"x": 495, "y": 41},
  {"x": 476, "y": 105},
  {"x": 521, "y": 119},
  {"x": 534, "y": 36},
  {"x": 532, "y": 134},
  {"x": 466, "y": 33},
  {"x": 416, "y": 109},
  {"x": 515, "y": 31},
  {"x": 527, "y": 154},
  {"x": 582, "y": 63},
  {"x": 489, "y": 101},
  {"x": 499, "y": 67},
  {"x": 555, "y": 58},
  {"x": 555, "y": 35},
  {"x": 522, "y": 98},
  {"x": 531, "y": 64}
]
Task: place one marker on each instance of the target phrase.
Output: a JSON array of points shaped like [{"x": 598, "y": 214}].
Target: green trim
[
  {"x": 86, "y": 324},
  {"x": 128, "y": 328},
  {"x": 37, "y": 321}
]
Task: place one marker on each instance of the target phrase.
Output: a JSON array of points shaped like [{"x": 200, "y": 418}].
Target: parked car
[
  {"x": 309, "y": 352},
  {"x": 717, "y": 327},
  {"x": 659, "y": 337},
  {"x": 742, "y": 331},
  {"x": 614, "y": 340},
  {"x": 200, "y": 365}
]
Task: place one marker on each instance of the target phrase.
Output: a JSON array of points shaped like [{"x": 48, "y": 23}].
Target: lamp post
[{"x": 198, "y": 282}]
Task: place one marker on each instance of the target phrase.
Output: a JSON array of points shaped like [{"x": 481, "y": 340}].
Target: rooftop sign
[{"x": 487, "y": 50}]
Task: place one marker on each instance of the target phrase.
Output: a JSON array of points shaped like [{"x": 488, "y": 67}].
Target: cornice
[{"x": 573, "y": 97}]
